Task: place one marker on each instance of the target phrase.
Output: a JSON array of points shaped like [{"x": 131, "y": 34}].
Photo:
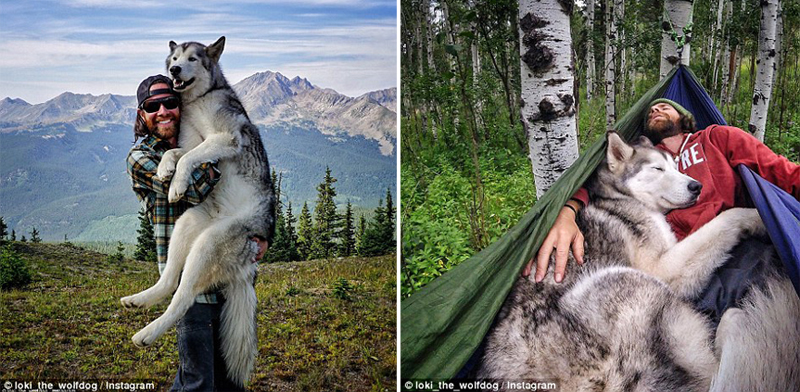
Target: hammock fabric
[{"x": 446, "y": 321}]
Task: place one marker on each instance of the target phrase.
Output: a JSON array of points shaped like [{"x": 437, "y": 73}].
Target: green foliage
[
  {"x": 14, "y": 271},
  {"x": 35, "y": 236},
  {"x": 343, "y": 289},
  {"x": 379, "y": 236},
  {"x": 119, "y": 255},
  {"x": 3, "y": 229},
  {"x": 304, "y": 233},
  {"x": 326, "y": 220},
  {"x": 145, "y": 240},
  {"x": 347, "y": 236}
]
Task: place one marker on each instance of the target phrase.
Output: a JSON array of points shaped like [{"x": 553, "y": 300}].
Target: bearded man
[{"x": 710, "y": 156}]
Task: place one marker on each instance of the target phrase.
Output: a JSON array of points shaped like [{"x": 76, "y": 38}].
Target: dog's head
[
  {"x": 192, "y": 65},
  {"x": 648, "y": 175}
]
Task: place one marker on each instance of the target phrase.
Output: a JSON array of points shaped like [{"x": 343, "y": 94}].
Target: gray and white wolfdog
[
  {"x": 211, "y": 242},
  {"x": 623, "y": 320}
]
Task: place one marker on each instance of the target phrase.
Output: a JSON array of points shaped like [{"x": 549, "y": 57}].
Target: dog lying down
[{"x": 623, "y": 320}]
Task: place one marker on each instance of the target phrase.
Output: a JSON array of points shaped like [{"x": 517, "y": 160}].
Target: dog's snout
[
  {"x": 695, "y": 187},
  {"x": 175, "y": 70}
]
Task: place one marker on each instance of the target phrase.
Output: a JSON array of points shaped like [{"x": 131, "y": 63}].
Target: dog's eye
[
  {"x": 659, "y": 168},
  {"x": 192, "y": 59}
]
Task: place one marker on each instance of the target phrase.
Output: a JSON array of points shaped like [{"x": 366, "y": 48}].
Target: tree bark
[
  {"x": 680, "y": 14},
  {"x": 548, "y": 112},
  {"x": 591, "y": 66},
  {"x": 766, "y": 66},
  {"x": 727, "y": 62},
  {"x": 718, "y": 44},
  {"x": 611, "y": 49},
  {"x": 426, "y": 9}
]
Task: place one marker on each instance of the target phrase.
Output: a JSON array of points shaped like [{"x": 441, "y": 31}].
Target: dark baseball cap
[{"x": 143, "y": 92}]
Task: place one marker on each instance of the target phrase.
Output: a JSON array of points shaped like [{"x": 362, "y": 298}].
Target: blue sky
[{"x": 109, "y": 46}]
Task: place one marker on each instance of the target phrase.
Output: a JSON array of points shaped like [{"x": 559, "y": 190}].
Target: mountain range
[{"x": 62, "y": 162}]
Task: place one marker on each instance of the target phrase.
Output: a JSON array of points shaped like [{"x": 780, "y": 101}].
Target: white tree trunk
[
  {"x": 718, "y": 43},
  {"x": 726, "y": 57},
  {"x": 611, "y": 49},
  {"x": 778, "y": 41},
  {"x": 429, "y": 29},
  {"x": 590, "y": 61},
  {"x": 766, "y": 66},
  {"x": 619, "y": 9},
  {"x": 680, "y": 13},
  {"x": 548, "y": 112}
]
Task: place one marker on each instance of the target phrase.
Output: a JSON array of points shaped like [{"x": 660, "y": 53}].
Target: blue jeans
[{"x": 202, "y": 367}]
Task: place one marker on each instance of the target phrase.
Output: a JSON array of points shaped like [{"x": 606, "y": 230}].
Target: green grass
[{"x": 68, "y": 323}]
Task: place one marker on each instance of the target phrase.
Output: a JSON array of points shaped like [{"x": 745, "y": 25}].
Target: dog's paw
[
  {"x": 132, "y": 301},
  {"x": 746, "y": 220},
  {"x": 145, "y": 337},
  {"x": 165, "y": 169},
  {"x": 176, "y": 191}
]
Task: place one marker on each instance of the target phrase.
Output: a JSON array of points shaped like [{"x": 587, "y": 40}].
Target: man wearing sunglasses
[{"x": 158, "y": 121}]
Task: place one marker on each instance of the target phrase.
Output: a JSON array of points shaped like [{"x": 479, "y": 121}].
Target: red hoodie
[{"x": 710, "y": 156}]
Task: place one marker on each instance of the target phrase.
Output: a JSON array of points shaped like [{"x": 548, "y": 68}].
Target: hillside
[{"x": 68, "y": 324}]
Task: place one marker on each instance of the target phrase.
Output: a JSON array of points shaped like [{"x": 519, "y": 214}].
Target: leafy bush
[{"x": 13, "y": 269}]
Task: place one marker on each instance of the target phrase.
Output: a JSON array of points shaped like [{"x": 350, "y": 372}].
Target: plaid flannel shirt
[{"x": 152, "y": 192}]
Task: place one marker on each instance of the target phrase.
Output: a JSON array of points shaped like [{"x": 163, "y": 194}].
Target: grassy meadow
[{"x": 323, "y": 325}]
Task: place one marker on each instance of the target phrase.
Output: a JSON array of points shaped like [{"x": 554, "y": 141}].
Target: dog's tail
[{"x": 238, "y": 329}]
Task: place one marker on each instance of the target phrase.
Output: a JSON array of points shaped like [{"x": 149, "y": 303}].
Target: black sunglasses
[{"x": 154, "y": 105}]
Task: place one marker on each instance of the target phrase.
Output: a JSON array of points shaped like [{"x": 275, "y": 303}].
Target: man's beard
[
  {"x": 661, "y": 130},
  {"x": 165, "y": 133}
]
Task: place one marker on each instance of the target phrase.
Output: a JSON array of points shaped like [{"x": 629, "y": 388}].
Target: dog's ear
[
  {"x": 644, "y": 141},
  {"x": 172, "y": 45},
  {"x": 215, "y": 50},
  {"x": 618, "y": 151}
]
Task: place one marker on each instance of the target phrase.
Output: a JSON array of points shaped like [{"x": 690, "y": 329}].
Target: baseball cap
[{"x": 143, "y": 92}]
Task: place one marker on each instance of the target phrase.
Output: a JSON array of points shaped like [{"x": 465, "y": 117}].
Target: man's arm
[
  {"x": 563, "y": 236},
  {"x": 142, "y": 169},
  {"x": 743, "y": 148}
]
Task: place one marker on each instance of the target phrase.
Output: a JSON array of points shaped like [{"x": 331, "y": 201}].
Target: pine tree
[
  {"x": 347, "y": 246},
  {"x": 326, "y": 220},
  {"x": 373, "y": 242},
  {"x": 3, "y": 229},
  {"x": 304, "y": 233},
  {"x": 279, "y": 246},
  {"x": 35, "y": 236},
  {"x": 23, "y": 239},
  {"x": 362, "y": 227},
  {"x": 13, "y": 235},
  {"x": 389, "y": 234},
  {"x": 291, "y": 235},
  {"x": 145, "y": 239}
]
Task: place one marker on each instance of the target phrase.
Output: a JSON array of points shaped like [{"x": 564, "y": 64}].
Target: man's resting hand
[{"x": 564, "y": 235}]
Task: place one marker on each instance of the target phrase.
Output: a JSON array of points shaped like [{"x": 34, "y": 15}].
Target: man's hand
[
  {"x": 262, "y": 247},
  {"x": 564, "y": 235}
]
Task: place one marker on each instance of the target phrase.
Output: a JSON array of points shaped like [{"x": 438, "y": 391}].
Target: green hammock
[{"x": 446, "y": 321}]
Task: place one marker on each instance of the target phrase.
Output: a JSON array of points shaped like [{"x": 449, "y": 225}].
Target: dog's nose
[
  {"x": 695, "y": 187},
  {"x": 175, "y": 70}
]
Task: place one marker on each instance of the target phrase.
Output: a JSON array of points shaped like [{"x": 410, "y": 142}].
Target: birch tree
[
  {"x": 677, "y": 16},
  {"x": 590, "y": 62},
  {"x": 548, "y": 113},
  {"x": 762, "y": 90},
  {"x": 610, "y": 64}
]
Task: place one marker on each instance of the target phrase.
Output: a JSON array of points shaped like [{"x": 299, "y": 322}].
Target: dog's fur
[
  {"x": 211, "y": 242},
  {"x": 622, "y": 321}
]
